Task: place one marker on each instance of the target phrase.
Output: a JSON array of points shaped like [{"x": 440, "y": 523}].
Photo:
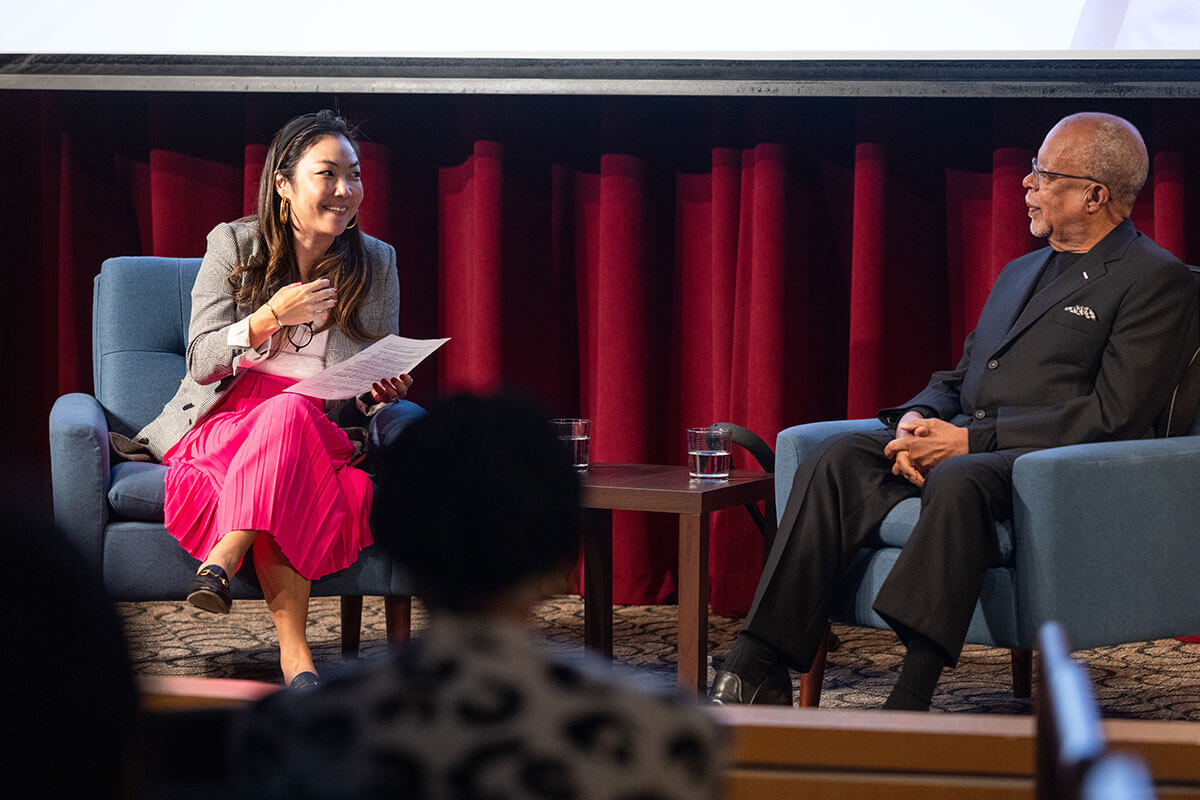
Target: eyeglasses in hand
[{"x": 300, "y": 335}]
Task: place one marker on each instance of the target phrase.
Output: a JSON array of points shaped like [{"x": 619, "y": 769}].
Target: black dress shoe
[
  {"x": 728, "y": 688},
  {"x": 305, "y": 680},
  {"x": 209, "y": 590}
]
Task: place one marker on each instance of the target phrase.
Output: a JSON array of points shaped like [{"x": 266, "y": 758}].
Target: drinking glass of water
[
  {"x": 576, "y": 434},
  {"x": 708, "y": 452}
]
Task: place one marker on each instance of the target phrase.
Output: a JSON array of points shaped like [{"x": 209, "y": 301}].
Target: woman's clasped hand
[{"x": 298, "y": 303}]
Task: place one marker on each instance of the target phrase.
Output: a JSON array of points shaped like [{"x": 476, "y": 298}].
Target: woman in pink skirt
[{"x": 253, "y": 468}]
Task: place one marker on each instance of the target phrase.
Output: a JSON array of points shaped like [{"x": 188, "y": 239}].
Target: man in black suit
[{"x": 1080, "y": 341}]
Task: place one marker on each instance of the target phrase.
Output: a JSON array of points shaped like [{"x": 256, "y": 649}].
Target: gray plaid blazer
[{"x": 210, "y": 358}]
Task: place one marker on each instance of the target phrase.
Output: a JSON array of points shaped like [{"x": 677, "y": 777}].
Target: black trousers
[{"x": 839, "y": 496}]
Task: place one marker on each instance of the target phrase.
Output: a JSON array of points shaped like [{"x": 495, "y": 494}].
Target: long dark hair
[{"x": 272, "y": 265}]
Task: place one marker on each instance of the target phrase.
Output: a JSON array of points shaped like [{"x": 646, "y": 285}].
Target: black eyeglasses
[
  {"x": 300, "y": 335},
  {"x": 1038, "y": 173}
]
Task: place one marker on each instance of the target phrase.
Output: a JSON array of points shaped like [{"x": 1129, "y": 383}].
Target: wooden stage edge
[
  {"x": 839, "y": 754},
  {"x": 847, "y": 754},
  {"x": 185, "y": 693}
]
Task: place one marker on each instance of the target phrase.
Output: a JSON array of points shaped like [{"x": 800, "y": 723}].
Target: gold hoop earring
[
  {"x": 353, "y": 223},
  {"x": 285, "y": 212}
]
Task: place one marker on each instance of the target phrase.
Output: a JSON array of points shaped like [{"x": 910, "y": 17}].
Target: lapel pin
[{"x": 1085, "y": 277}]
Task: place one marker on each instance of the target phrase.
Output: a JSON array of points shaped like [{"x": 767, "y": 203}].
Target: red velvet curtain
[{"x": 650, "y": 263}]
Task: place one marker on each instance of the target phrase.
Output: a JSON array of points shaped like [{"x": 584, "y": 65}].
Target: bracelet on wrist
[{"x": 278, "y": 321}]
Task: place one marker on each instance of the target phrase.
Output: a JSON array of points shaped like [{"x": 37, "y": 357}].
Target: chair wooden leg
[
  {"x": 398, "y": 616},
  {"x": 351, "y": 625},
  {"x": 1022, "y": 673},
  {"x": 810, "y": 682}
]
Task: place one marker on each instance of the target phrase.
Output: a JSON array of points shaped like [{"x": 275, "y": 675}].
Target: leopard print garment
[{"x": 476, "y": 710}]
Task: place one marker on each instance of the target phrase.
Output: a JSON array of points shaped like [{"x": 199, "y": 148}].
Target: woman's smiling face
[{"x": 325, "y": 191}]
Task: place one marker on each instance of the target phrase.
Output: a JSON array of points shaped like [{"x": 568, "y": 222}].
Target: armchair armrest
[
  {"x": 1106, "y": 539},
  {"x": 79, "y": 471},
  {"x": 386, "y": 424},
  {"x": 793, "y": 444}
]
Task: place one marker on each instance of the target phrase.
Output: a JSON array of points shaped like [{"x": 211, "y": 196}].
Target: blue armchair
[
  {"x": 1103, "y": 540},
  {"x": 113, "y": 512}
]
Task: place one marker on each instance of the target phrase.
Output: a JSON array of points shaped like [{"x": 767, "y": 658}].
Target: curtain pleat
[
  {"x": 471, "y": 239},
  {"x": 627, "y": 331},
  {"x": 868, "y": 284},
  {"x": 1169, "y": 178},
  {"x": 649, "y": 263}
]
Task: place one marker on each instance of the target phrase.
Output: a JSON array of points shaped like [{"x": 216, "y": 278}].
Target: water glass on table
[
  {"x": 708, "y": 451},
  {"x": 577, "y": 435}
]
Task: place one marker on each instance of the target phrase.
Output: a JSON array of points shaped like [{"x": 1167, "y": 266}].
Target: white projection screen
[{"x": 835, "y": 47}]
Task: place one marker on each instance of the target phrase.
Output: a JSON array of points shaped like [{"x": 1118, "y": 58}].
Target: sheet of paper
[{"x": 389, "y": 357}]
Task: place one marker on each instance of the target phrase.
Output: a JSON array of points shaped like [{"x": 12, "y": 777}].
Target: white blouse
[{"x": 293, "y": 363}]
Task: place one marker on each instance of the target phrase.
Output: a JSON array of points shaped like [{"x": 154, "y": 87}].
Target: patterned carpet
[{"x": 1148, "y": 680}]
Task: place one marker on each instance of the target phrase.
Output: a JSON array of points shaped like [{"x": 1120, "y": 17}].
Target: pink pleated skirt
[{"x": 269, "y": 460}]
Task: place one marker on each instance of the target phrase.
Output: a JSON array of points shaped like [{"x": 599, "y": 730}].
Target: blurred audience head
[
  {"x": 68, "y": 692},
  {"x": 477, "y": 499}
]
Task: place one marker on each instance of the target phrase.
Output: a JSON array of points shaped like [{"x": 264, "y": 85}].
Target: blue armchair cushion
[{"x": 137, "y": 490}]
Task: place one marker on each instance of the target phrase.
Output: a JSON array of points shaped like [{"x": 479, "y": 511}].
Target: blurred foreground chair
[
  {"x": 1102, "y": 539},
  {"x": 113, "y": 512},
  {"x": 1073, "y": 759}
]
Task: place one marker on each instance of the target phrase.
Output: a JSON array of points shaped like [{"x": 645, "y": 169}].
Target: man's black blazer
[{"x": 1094, "y": 356}]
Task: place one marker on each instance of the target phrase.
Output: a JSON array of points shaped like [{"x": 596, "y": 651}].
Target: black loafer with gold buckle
[{"x": 209, "y": 590}]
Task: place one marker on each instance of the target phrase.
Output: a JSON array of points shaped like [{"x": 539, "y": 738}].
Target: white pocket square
[{"x": 1081, "y": 311}]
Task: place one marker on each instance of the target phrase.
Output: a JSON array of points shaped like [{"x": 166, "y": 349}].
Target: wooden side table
[{"x": 668, "y": 490}]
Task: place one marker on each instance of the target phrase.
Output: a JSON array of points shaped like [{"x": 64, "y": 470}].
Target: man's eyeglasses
[
  {"x": 1038, "y": 174},
  {"x": 300, "y": 335}
]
